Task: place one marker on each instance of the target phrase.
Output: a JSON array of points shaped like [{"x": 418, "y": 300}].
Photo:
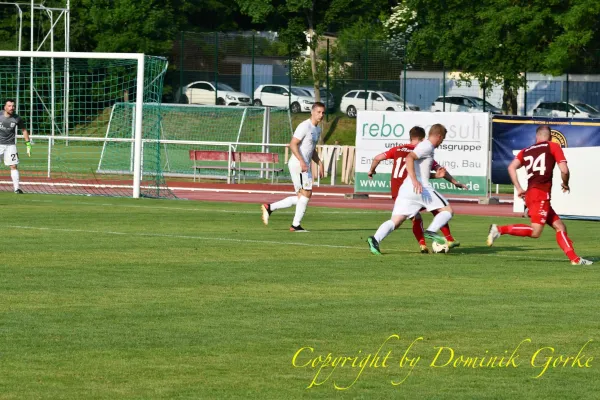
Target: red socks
[
  {"x": 418, "y": 230},
  {"x": 516, "y": 230},
  {"x": 566, "y": 245}
]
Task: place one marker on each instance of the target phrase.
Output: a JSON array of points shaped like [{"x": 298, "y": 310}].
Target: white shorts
[
  {"x": 409, "y": 203},
  {"x": 11, "y": 157},
  {"x": 301, "y": 180}
]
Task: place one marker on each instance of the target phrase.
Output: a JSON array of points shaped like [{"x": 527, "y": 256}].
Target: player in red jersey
[
  {"x": 399, "y": 174},
  {"x": 539, "y": 160}
]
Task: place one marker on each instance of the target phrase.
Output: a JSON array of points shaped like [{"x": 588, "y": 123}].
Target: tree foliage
[{"x": 498, "y": 40}]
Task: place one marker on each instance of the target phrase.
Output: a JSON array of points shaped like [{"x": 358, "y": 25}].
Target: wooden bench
[
  {"x": 247, "y": 157},
  {"x": 212, "y": 155},
  {"x": 236, "y": 161}
]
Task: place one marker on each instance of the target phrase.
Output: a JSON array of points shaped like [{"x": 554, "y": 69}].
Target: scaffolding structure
[{"x": 55, "y": 16}]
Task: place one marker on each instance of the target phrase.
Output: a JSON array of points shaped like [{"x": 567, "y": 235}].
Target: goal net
[
  {"x": 194, "y": 127},
  {"x": 65, "y": 101}
]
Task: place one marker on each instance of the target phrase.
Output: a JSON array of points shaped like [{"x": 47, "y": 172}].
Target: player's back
[
  {"x": 399, "y": 173},
  {"x": 539, "y": 161}
]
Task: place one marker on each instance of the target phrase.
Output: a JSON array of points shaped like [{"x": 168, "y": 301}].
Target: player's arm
[
  {"x": 27, "y": 140},
  {"x": 378, "y": 158},
  {"x": 410, "y": 170},
  {"x": 315, "y": 158},
  {"x": 565, "y": 175},
  {"x": 295, "y": 148},
  {"x": 561, "y": 161},
  {"x": 452, "y": 180},
  {"x": 441, "y": 172},
  {"x": 512, "y": 172}
]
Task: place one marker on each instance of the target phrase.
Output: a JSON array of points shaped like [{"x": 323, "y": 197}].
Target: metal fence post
[
  {"x": 327, "y": 80},
  {"x": 405, "y": 69},
  {"x": 567, "y": 105},
  {"x": 366, "y": 72},
  {"x": 252, "y": 86},
  {"x": 484, "y": 93},
  {"x": 525, "y": 96},
  {"x": 181, "y": 67},
  {"x": 290, "y": 79},
  {"x": 444, "y": 89},
  {"x": 216, "y": 65}
]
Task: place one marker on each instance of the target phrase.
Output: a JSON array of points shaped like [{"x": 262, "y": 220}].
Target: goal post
[
  {"x": 186, "y": 127},
  {"x": 65, "y": 107}
]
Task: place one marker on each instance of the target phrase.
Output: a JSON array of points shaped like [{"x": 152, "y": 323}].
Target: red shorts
[{"x": 539, "y": 208}]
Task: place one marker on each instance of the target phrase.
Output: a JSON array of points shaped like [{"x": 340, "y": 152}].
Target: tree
[
  {"x": 577, "y": 47},
  {"x": 294, "y": 17},
  {"x": 494, "y": 41},
  {"x": 146, "y": 26}
]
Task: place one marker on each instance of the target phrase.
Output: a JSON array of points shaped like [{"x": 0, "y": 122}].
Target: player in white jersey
[
  {"x": 9, "y": 124},
  {"x": 302, "y": 145},
  {"x": 417, "y": 193}
]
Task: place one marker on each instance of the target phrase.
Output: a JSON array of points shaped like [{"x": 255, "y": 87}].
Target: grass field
[{"x": 121, "y": 299}]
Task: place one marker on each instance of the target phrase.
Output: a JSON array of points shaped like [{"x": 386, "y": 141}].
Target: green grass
[
  {"x": 116, "y": 298},
  {"x": 337, "y": 126}
]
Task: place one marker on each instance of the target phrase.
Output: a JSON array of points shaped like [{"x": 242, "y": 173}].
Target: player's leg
[
  {"x": 538, "y": 213},
  {"x": 290, "y": 201},
  {"x": 435, "y": 201},
  {"x": 404, "y": 206},
  {"x": 563, "y": 240},
  {"x": 447, "y": 234},
  {"x": 11, "y": 159},
  {"x": 383, "y": 231},
  {"x": 417, "y": 228},
  {"x": 304, "y": 196}
]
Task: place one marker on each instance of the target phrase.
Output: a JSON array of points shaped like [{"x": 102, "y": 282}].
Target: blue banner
[{"x": 511, "y": 133}]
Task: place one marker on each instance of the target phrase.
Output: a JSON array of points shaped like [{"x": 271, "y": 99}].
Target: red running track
[{"x": 324, "y": 196}]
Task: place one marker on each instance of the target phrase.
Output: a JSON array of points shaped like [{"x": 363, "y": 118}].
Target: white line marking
[
  {"x": 317, "y": 209},
  {"x": 212, "y": 238}
]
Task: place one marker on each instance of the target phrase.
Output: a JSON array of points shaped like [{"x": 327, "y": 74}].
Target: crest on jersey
[
  {"x": 558, "y": 137},
  {"x": 12, "y": 124}
]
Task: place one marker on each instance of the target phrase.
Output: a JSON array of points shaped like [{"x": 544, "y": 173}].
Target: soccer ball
[{"x": 440, "y": 248}]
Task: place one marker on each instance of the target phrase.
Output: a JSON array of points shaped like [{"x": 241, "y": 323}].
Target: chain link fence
[{"x": 246, "y": 62}]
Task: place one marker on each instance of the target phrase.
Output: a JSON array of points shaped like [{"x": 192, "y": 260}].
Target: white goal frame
[{"x": 140, "y": 58}]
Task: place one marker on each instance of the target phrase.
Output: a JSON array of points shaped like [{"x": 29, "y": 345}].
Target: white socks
[
  {"x": 285, "y": 203},
  {"x": 439, "y": 220},
  {"x": 14, "y": 174},
  {"x": 385, "y": 229},
  {"x": 300, "y": 210}
]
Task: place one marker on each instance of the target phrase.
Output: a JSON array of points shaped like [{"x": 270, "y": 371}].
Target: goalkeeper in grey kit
[{"x": 9, "y": 123}]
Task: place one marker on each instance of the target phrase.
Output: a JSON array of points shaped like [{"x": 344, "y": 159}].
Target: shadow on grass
[{"x": 494, "y": 249}]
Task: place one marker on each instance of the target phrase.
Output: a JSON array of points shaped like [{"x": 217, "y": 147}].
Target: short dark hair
[
  {"x": 438, "y": 129},
  {"x": 416, "y": 132},
  {"x": 542, "y": 128},
  {"x": 11, "y": 100},
  {"x": 317, "y": 104}
]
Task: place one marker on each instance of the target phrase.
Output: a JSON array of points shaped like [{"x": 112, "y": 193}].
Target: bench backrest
[
  {"x": 210, "y": 155},
  {"x": 256, "y": 157}
]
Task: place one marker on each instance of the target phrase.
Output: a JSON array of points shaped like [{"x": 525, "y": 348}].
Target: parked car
[
  {"x": 203, "y": 92},
  {"x": 376, "y": 101},
  {"x": 279, "y": 96},
  {"x": 329, "y": 101},
  {"x": 560, "y": 108},
  {"x": 463, "y": 103}
]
